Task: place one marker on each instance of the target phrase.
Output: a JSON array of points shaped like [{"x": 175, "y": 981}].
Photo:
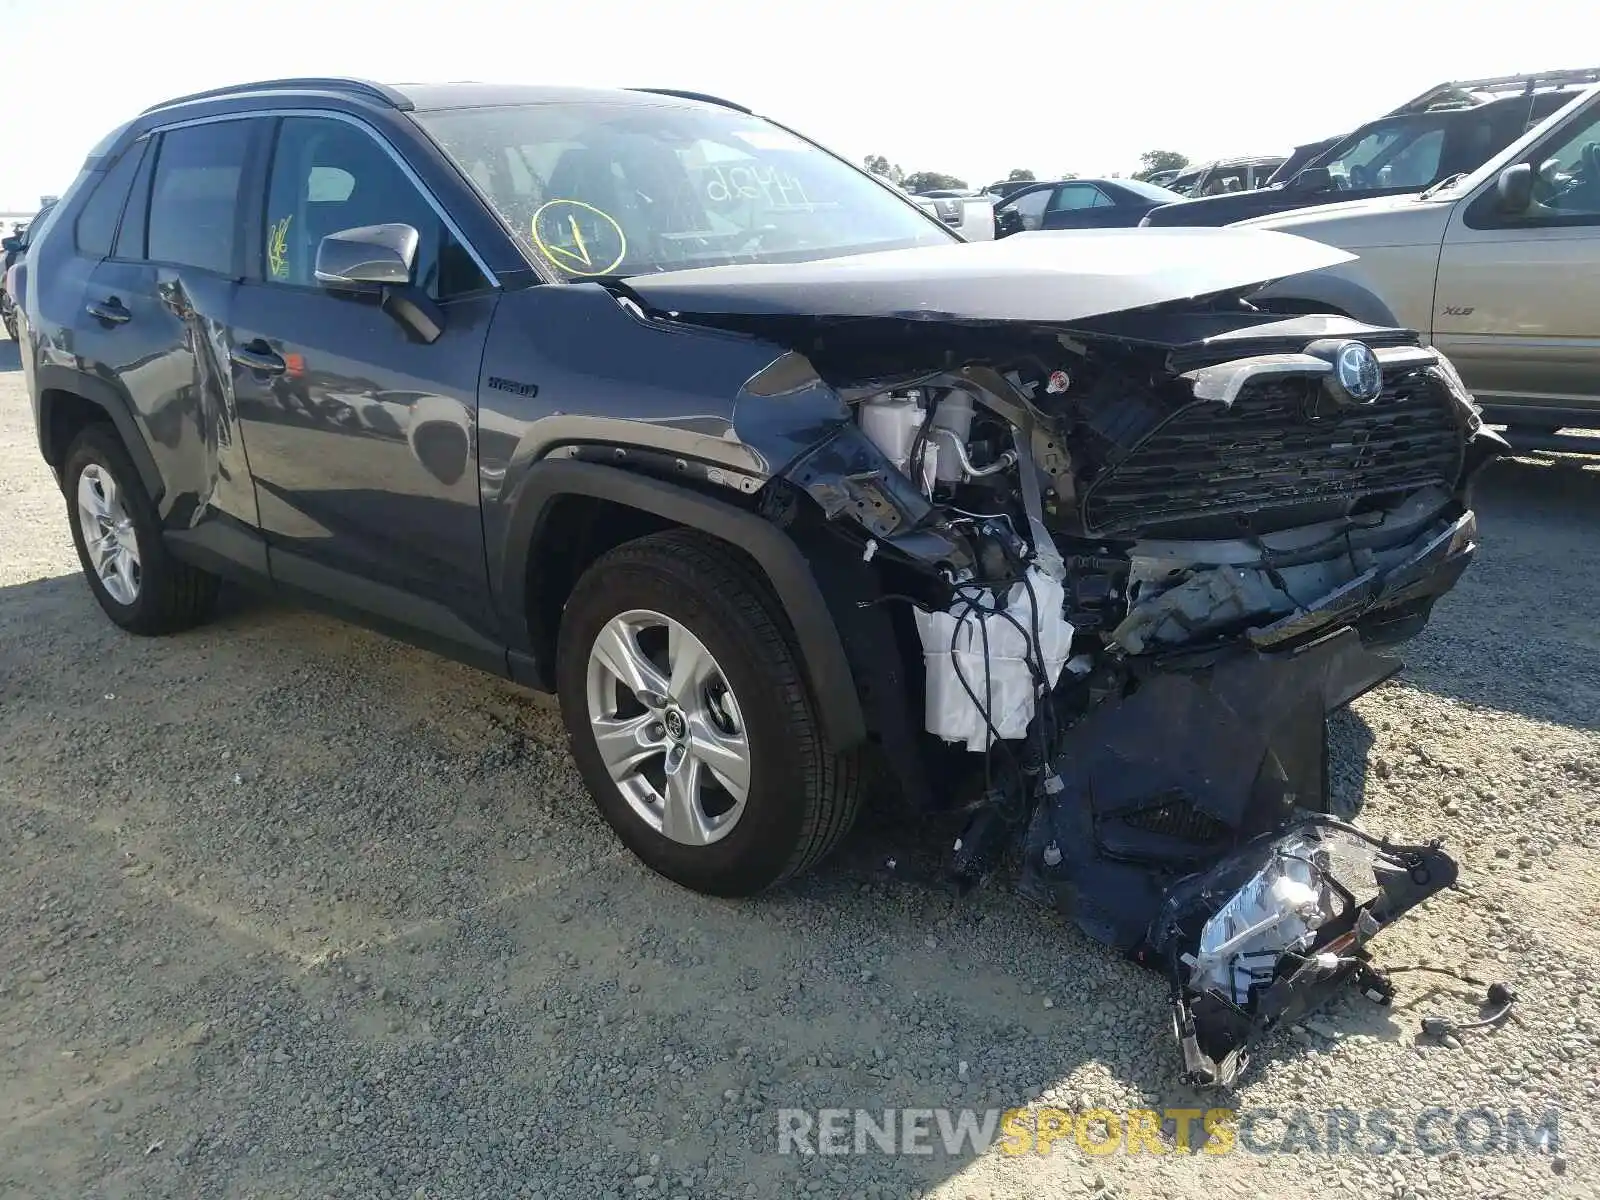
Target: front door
[
  {"x": 1517, "y": 306},
  {"x": 363, "y": 439}
]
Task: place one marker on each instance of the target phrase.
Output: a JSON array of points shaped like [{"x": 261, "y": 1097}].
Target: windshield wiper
[{"x": 1442, "y": 184}]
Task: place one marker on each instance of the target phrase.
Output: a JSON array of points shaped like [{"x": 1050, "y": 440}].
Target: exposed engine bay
[
  {"x": 1141, "y": 576},
  {"x": 1107, "y": 577}
]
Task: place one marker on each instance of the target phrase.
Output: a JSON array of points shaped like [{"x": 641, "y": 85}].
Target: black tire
[
  {"x": 172, "y": 596},
  {"x": 8, "y": 314},
  {"x": 803, "y": 797}
]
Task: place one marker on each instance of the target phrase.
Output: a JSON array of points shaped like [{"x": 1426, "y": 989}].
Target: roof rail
[
  {"x": 701, "y": 96},
  {"x": 358, "y": 87},
  {"x": 1463, "y": 91}
]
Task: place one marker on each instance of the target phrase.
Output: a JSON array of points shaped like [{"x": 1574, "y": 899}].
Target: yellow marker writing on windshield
[
  {"x": 565, "y": 243},
  {"x": 577, "y": 236}
]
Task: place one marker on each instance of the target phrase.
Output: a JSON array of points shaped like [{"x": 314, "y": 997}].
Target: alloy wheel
[
  {"x": 668, "y": 727},
  {"x": 108, "y": 534}
]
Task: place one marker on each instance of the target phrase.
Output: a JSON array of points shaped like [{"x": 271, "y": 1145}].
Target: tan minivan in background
[{"x": 1500, "y": 269}]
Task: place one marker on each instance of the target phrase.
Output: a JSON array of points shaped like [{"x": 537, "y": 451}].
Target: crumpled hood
[{"x": 1046, "y": 277}]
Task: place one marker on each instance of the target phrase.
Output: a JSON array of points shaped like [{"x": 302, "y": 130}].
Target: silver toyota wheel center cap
[{"x": 677, "y": 727}]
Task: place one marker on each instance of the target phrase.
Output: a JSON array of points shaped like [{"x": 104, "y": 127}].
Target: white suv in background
[{"x": 1500, "y": 269}]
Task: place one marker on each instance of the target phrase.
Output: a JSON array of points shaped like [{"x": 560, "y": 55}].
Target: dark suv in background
[{"x": 1446, "y": 132}]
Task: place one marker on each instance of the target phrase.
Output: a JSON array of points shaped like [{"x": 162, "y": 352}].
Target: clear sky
[{"x": 969, "y": 87}]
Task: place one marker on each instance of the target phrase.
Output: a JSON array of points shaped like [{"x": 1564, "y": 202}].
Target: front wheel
[{"x": 689, "y": 718}]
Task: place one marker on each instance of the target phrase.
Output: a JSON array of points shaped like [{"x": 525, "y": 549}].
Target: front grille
[
  {"x": 1268, "y": 450},
  {"x": 1173, "y": 814}
]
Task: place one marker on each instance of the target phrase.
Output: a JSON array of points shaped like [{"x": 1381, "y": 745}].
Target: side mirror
[
  {"x": 1515, "y": 188},
  {"x": 1312, "y": 179},
  {"x": 367, "y": 256},
  {"x": 381, "y": 259},
  {"x": 11, "y": 244}
]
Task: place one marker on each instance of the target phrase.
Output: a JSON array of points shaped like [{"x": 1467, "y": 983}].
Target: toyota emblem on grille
[{"x": 1356, "y": 369}]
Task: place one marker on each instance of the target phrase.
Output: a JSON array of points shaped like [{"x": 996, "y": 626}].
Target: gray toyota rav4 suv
[{"x": 787, "y": 492}]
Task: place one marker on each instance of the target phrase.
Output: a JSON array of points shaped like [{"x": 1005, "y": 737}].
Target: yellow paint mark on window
[
  {"x": 559, "y": 230},
  {"x": 278, "y": 248}
]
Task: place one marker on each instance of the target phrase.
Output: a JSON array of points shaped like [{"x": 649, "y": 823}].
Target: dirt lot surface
[{"x": 287, "y": 909}]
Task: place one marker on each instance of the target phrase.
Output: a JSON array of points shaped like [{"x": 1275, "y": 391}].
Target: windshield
[
  {"x": 1391, "y": 154},
  {"x": 1149, "y": 191},
  {"x": 631, "y": 188}
]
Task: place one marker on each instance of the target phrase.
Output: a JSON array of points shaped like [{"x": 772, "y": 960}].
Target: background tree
[
  {"x": 1021, "y": 175},
  {"x": 927, "y": 181},
  {"x": 879, "y": 165},
  {"x": 1160, "y": 160}
]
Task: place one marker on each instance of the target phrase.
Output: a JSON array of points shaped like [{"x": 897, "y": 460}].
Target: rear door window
[{"x": 194, "y": 208}]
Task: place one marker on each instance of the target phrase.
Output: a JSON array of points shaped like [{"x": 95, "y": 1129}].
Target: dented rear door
[{"x": 155, "y": 310}]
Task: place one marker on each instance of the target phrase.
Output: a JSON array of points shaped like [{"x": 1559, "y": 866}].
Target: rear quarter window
[{"x": 96, "y": 227}]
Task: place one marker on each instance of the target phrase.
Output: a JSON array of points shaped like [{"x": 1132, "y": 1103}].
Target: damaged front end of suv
[{"x": 1107, "y": 545}]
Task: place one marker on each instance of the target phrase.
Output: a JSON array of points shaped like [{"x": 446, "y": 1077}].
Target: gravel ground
[{"x": 291, "y": 910}]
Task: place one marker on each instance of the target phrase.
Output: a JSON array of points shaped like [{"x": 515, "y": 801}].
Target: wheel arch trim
[
  {"x": 824, "y": 662},
  {"x": 52, "y": 379},
  {"x": 1347, "y": 296}
]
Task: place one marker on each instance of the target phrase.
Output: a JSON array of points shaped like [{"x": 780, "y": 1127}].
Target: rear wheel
[
  {"x": 118, "y": 538},
  {"x": 689, "y": 718}
]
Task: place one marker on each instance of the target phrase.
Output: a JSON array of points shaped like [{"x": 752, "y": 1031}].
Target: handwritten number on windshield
[{"x": 778, "y": 188}]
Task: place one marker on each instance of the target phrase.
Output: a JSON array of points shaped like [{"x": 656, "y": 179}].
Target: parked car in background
[
  {"x": 1448, "y": 130},
  {"x": 1005, "y": 187},
  {"x": 1302, "y": 157},
  {"x": 1224, "y": 175},
  {"x": 1499, "y": 268},
  {"x": 11, "y": 273},
  {"x": 1079, "y": 204},
  {"x": 972, "y": 216}
]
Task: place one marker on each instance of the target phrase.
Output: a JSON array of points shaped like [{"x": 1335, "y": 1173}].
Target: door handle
[
  {"x": 258, "y": 357},
  {"x": 110, "y": 310}
]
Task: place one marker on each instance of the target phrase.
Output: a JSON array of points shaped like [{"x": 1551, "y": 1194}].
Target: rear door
[
  {"x": 157, "y": 305},
  {"x": 1517, "y": 306},
  {"x": 363, "y": 440}
]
